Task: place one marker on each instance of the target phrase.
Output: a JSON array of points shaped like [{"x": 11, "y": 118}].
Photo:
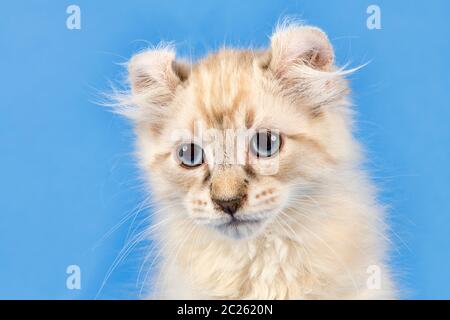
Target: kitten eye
[
  {"x": 265, "y": 143},
  {"x": 190, "y": 155}
]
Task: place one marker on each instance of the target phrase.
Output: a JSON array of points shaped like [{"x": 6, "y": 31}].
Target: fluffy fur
[{"x": 308, "y": 230}]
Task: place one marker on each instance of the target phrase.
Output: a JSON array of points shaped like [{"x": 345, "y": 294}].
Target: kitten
[{"x": 251, "y": 158}]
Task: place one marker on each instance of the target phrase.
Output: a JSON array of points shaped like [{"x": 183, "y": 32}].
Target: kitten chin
[{"x": 283, "y": 213}]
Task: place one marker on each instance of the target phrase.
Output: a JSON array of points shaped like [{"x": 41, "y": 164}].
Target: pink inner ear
[
  {"x": 320, "y": 57},
  {"x": 297, "y": 44},
  {"x": 313, "y": 49}
]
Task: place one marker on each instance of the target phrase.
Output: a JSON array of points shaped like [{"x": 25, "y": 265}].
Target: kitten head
[{"x": 241, "y": 135}]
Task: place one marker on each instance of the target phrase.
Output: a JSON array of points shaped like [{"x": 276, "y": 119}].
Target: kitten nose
[{"x": 229, "y": 206}]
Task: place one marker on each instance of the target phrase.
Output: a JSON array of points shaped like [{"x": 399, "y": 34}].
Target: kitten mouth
[
  {"x": 235, "y": 222},
  {"x": 231, "y": 222},
  {"x": 240, "y": 228}
]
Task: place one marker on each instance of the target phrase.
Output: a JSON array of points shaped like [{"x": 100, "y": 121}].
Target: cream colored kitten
[{"x": 251, "y": 158}]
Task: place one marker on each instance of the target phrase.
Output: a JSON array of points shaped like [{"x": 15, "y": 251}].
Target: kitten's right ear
[{"x": 155, "y": 74}]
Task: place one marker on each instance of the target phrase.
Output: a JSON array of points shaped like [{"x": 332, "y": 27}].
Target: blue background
[{"x": 67, "y": 175}]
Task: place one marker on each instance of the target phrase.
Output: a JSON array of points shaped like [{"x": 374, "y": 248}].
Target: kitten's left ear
[
  {"x": 293, "y": 44},
  {"x": 301, "y": 59}
]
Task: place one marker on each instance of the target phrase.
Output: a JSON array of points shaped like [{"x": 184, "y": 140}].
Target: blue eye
[
  {"x": 190, "y": 155},
  {"x": 265, "y": 143}
]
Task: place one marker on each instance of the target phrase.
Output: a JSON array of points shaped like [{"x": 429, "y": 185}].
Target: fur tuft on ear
[
  {"x": 156, "y": 70},
  {"x": 301, "y": 58},
  {"x": 154, "y": 76},
  {"x": 295, "y": 44}
]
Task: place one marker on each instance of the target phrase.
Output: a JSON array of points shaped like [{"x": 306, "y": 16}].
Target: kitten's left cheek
[{"x": 267, "y": 167}]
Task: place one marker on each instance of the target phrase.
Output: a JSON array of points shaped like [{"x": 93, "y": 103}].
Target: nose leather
[{"x": 229, "y": 206}]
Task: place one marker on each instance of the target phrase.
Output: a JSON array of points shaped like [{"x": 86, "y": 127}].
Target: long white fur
[{"x": 320, "y": 244}]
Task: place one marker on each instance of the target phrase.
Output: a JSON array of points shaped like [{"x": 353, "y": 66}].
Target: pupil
[
  {"x": 192, "y": 153},
  {"x": 264, "y": 142}
]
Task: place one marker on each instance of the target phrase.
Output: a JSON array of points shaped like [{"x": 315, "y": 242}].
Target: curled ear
[
  {"x": 156, "y": 75},
  {"x": 301, "y": 58},
  {"x": 293, "y": 44}
]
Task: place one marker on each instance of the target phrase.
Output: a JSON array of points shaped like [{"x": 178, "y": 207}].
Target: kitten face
[{"x": 240, "y": 136}]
